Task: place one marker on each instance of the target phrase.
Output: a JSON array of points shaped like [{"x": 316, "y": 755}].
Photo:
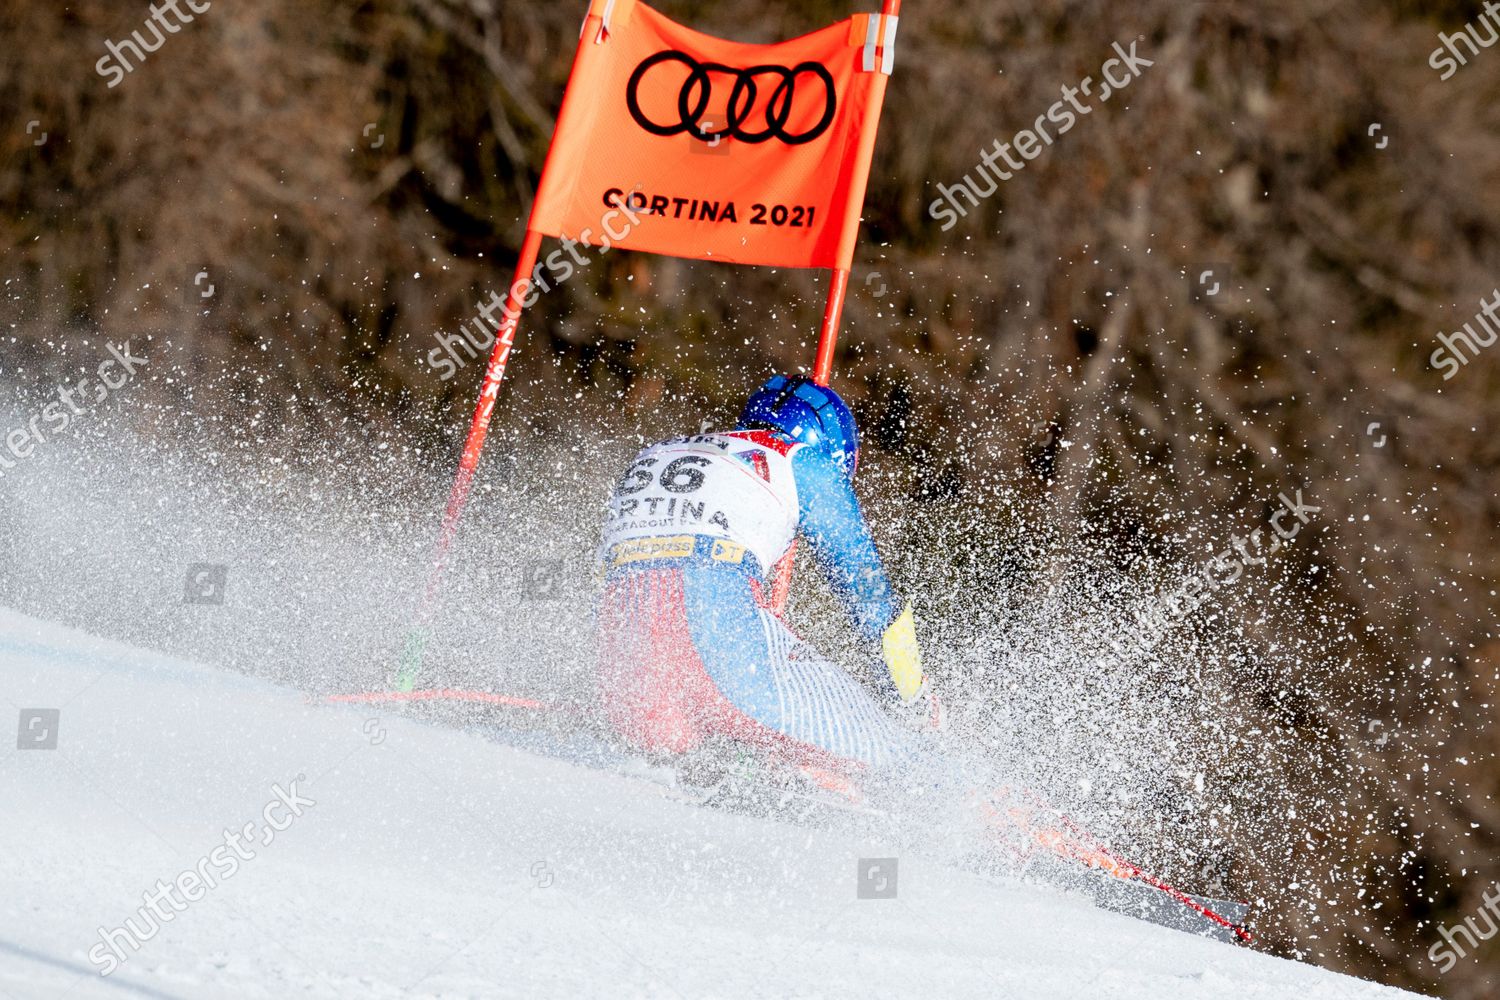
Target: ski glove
[{"x": 903, "y": 656}]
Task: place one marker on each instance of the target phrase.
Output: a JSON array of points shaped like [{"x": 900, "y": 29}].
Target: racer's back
[
  {"x": 688, "y": 647},
  {"x": 730, "y": 498}
]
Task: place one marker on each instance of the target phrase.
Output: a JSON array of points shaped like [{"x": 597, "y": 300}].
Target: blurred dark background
[{"x": 354, "y": 177}]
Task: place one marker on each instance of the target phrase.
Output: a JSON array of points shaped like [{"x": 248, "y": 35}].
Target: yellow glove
[{"x": 903, "y": 656}]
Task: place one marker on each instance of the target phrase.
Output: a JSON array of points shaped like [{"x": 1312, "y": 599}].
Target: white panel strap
[
  {"x": 606, "y": 21},
  {"x": 872, "y": 39},
  {"x": 880, "y": 44},
  {"x": 888, "y": 66}
]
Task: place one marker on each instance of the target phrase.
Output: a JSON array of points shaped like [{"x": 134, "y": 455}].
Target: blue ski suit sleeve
[{"x": 833, "y": 524}]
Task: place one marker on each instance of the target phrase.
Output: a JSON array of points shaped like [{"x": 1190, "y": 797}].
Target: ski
[
  {"x": 1116, "y": 884},
  {"x": 438, "y": 694}
]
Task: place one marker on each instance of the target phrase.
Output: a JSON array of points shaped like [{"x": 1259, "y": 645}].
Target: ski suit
[{"x": 689, "y": 649}]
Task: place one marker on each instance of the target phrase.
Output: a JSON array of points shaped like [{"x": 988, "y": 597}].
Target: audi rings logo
[{"x": 697, "y": 92}]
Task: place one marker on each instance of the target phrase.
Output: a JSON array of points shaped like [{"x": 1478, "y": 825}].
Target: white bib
[{"x": 721, "y": 486}]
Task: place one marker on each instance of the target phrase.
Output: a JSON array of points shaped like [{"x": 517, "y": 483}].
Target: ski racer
[
  {"x": 691, "y": 656},
  {"x": 690, "y": 651}
]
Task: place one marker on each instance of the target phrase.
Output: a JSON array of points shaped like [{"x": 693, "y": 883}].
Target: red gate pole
[
  {"x": 479, "y": 429},
  {"x": 828, "y": 338}
]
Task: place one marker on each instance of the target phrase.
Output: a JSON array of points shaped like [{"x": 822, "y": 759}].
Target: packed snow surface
[{"x": 428, "y": 862}]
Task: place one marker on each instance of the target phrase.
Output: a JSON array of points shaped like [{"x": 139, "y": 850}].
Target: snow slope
[{"x": 438, "y": 864}]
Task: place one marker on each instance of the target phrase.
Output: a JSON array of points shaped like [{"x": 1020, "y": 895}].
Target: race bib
[{"x": 731, "y": 487}]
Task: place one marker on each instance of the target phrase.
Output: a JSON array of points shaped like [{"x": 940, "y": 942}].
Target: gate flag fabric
[{"x": 674, "y": 142}]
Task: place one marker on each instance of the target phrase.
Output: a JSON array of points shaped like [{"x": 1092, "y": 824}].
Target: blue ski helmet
[{"x": 807, "y": 413}]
